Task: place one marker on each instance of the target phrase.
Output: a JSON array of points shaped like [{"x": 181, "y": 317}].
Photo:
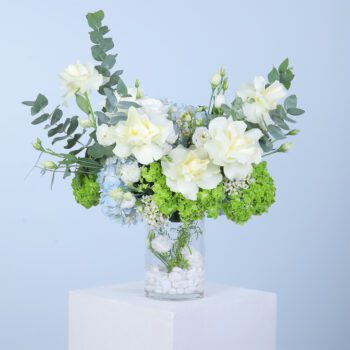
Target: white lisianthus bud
[
  {"x": 285, "y": 147},
  {"x": 161, "y": 244},
  {"x": 85, "y": 123},
  {"x": 219, "y": 100},
  {"x": 128, "y": 201},
  {"x": 215, "y": 79},
  {"x": 222, "y": 71},
  {"x": 130, "y": 172},
  {"x": 37, "y": 145},
  {"x": 200, "y": 136},
  {"x": 48, "y": 164},
  {"x": 80, "y": 77},
  {"x": 294, "y": 132},
  {"x": 106, "y": 135}
]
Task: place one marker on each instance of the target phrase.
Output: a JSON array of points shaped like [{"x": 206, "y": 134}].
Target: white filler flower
[
  {"x": 232, "y": 147},
  {"x": 258, "y": 100},
  {"x": 200, "y": 136},
  {"x": 80, "y": 77},
  {"x": 147, "y": 137},
  {"x": 130, "y": 172},
  {"x": 187, "y": 170},
  {"x": 161, "y": 244}
]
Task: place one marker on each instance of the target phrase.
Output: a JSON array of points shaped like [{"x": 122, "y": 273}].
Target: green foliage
[
  {"x": 86, "y": 190},
  {"x": 255, "y": 200},
  {"x": 284, "y": 74},
  {"x": 239, "y": 208}
]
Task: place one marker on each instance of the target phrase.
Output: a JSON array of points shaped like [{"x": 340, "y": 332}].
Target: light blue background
[{"x": 300, "y": 249}]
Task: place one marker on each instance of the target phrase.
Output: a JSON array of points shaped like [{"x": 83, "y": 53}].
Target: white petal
[{"x": 237, "y": 170}]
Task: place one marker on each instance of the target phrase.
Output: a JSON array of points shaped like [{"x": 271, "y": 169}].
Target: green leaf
[
  {"x": 128, "y": 104},
  {"x": 101, "y": 118},
  {"x": 40, "y": 103},
  {"x": 73, "y": 125},
  {"x": 290, "y": 102},
  {"x": 95, "y": 19},
  {"x": 55, "y": 130},
  {"x": 72, "y": 142},
  {"x": 111, "y": 99},
  {"x": 56, "y": 116},
  {"x": 109, "y": 61},
  {"x": 106, "y": 44},
  {"x": 290, "y": 120},
  {"x": 28, "y": 103},
  {"x": 97, "y": 53},
  {"x": 276, "y": 132},
  {"x": 122, "y": 88},
  {"x": 75, "y": 152},
  {"x": 103, "y": 30},
  {"x": 295, "y": 111},
  {"x": 60, "y": 138},
  {"x": 96, "y": 37},
  {"x": 266, "y": 144},
  {"x": 284, "y": 66},
  {"x": 82, "y": 103},
  {"x": 286, "y": 78},
  {"x": 273, "y": 75},
  {"x": 41, "y": 119},
  {"x": 66, "y": 123},
  {"x": 102, "y": 70},
  {"x": 97, "y": 151}
]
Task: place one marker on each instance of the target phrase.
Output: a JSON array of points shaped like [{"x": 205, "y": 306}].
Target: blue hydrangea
[{"x": 116, "y": 202}]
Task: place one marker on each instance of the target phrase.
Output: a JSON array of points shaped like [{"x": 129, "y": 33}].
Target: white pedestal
[{"x": 121, "y": 318}]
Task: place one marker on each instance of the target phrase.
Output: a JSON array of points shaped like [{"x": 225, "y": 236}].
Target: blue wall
[{"x": 300, "y": 249}]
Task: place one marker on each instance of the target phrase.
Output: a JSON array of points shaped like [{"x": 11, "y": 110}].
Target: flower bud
[
  {"x": 48, "y": 164},
  {"x": 219, "y": 100},
  {"x": 285, "y": 147},
  {"x": 215, "y": 79},
  {"x": 139, "y": 93},
  {"x": 222, "y": 71},
  {"x": 85, "y": 123},
  {"x": 137, "y": 83},
  {"x": 225, "y": 84},
  {"x": 294, "y": 132},
  {"x": 37, "y": 145}
]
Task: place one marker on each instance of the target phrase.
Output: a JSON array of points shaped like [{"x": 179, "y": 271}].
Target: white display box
[{"x": 120, "y": 317}]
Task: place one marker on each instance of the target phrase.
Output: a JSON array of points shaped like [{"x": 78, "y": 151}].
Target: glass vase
[{"x": 175, "y": 261}]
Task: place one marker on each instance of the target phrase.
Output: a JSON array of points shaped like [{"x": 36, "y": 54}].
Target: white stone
[{"x": 120, "y": 317}]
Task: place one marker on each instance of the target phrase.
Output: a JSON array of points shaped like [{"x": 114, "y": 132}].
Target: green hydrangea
[
  {"x": 86, "y": 190},
  {"x": 254, "y": 200}
]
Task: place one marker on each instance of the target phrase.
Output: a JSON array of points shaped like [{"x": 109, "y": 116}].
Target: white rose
[
  {"x": 258, "y": 100},
  {"x": 128, "y": 201},
  {"x": 200, "y": 136},
  {"x": 193, "y": 256},
  {"x": 130, "y": 172},
  {"x": 147, "y": 137},
  {"x": 219, "y": 100},
  {"x": 190, "y": 169},
  {"x": 232, "y": 147},
  {"x": 215, "y": 79},
  {"x": 80, "y": 77},
  {"x": 106, "y": 135},
  {"x": 162, "y": 244}
]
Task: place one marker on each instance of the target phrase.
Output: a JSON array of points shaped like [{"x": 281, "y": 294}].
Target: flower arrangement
[{"x": 142, "y": 158}]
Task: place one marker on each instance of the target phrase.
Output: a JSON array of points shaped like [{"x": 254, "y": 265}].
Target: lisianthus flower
[
  {"x": 232, "y": 147},
  {"x": 258, "y": 100},
  {"x": 106, "y": 135},
  {"x": 80, "y": 77},
  {"x": 187, "y": 170},
  {"x": 147, "y": 137},
  {"x": 161, "y": 244},
  {"x": 130, "y": 172}
]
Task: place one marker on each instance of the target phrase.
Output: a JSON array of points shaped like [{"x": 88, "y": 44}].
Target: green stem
[{"x": 91, "y": 110}]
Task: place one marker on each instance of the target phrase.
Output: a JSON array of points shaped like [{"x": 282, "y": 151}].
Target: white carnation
[
  {"x": 232, "y": 147},
  {"x": 161, "y": 244},
  {"x": 200, "y": 136},
  {"x": 187, "y": 170},
  {"x": 130, "y": 172},
  {"x": 146, "y": 136},
  {"x": 106, "y": 135},
  {"x": 80, "y": 77},
  {"x": 258, "y": 100}
]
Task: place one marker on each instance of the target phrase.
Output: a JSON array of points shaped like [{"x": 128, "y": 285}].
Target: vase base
[{"x": 174, "y": 297}]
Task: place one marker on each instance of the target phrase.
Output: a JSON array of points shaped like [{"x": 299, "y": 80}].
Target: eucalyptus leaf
[
  {"x": 122, "y": 88},
  {"x": 96, "y": 37},
  {"x": 128, "y": 104},
  {"x": 276, "y": 132},
  {"x": 40, "y": 103},
  {"x": 111, "y": 99},
  {"x": 106, "y": 44},
  {"x": 60, "y": 138},
  {"x": 95, "y": 19},
  {"x": 284, "y": 65},
  {"x": 295, "y": 111},
  {"x": 101, "y": 118},
  {"x": 290, "y": 102},
  {"x": 41, "y": 119},
  {"x": 97, "y": 151},
  {"x": 72, "y": 142},
  {"x": 55, "y": 130},
  {"x": 109, "y": 61},
  {"x": 273, "y": 75},
  {"x": 97, "y": 53},
  {"x": 56, "y": 116},
  {"x": 73, "y": 125},
  {"x": 28, "y": 103}
]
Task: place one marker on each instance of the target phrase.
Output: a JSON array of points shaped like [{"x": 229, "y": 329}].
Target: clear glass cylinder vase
[{"x": 175, "y": 261}]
